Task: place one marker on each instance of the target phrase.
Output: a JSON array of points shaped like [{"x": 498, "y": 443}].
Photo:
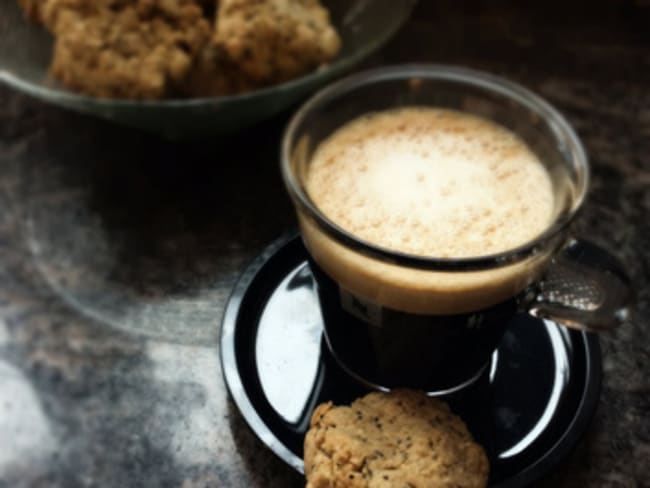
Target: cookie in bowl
[{"x": 162, "y": 49}]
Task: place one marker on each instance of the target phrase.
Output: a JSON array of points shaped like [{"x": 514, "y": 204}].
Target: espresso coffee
[
  {"x": 431, "y": 182},
  {"x": 428, "y": 182}
]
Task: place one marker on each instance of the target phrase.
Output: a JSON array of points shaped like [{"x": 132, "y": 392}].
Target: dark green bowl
[{"x": 25, "y": 51}]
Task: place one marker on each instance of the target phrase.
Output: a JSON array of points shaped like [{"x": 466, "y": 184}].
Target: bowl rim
[{"x": 68, "y": 97}]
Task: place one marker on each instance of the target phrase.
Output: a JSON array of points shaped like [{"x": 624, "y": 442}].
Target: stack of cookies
[
  {"x": 154, "y": 49},
  {"x": 399, "y": 439}
]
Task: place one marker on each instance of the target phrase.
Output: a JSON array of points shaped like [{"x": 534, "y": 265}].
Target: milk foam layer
[{"x": 432, "y": 182}]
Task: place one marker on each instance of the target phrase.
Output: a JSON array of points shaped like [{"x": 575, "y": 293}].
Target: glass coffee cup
[{"x": 393, "y": 319}]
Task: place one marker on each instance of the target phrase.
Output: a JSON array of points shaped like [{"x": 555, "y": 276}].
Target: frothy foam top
[{"x": 431, "y": 182}]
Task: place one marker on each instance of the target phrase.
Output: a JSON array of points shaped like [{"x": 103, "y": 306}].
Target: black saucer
[{"x": 528, "y": 411}]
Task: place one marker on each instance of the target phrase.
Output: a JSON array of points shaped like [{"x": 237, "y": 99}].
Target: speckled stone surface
[{"x": 118, "y": 252}]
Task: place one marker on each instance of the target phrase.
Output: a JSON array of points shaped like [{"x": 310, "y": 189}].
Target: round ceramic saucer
[{"x": 528, "y": 410}]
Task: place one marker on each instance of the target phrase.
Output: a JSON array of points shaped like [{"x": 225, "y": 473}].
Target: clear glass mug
[{"x": 393, "y": 319}]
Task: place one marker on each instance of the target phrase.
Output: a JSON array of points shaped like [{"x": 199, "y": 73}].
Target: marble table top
[{"x": 118, "y": 251}]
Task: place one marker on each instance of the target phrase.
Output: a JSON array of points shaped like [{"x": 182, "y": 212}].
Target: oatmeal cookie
[
  {"x": 275, "y": 40},
  {"x": 397, "y": 439},
  {"x": 140, "y": 49},
  {"x": 47, "y": 11}
]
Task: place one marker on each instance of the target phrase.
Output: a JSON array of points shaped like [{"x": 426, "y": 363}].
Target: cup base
[
  {"x": 433, "y": 392},
  {"x": 272, "y": 337}
]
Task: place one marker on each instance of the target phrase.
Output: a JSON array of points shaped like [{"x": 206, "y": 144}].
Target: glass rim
[{"x": 560, "y": 127}]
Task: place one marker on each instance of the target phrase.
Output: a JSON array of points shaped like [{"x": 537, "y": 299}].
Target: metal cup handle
[{"x": 584, "y": 288}]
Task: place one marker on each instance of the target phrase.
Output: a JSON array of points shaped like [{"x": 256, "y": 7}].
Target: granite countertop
[{"x": 118, "y": 251}]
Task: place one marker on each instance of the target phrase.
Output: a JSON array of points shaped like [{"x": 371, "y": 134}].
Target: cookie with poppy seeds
[{"x": 398, "y": 439}]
